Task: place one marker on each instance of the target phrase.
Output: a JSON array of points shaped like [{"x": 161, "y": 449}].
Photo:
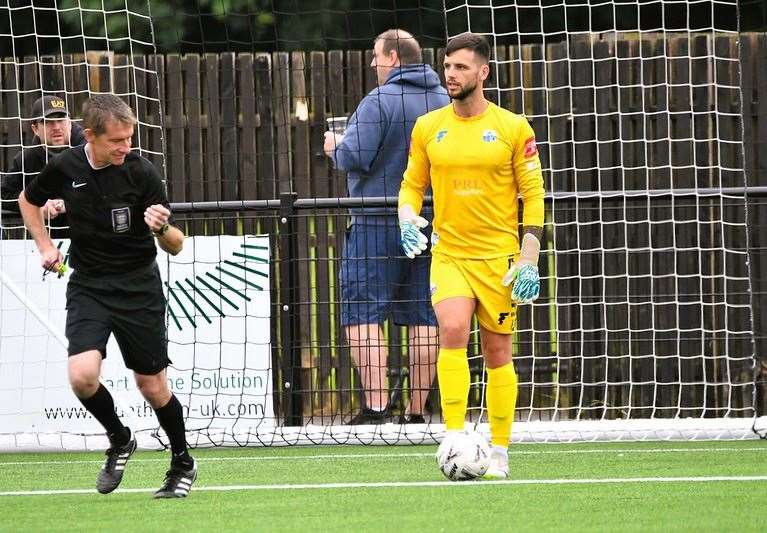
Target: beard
[{"x": 464, "y": 92}]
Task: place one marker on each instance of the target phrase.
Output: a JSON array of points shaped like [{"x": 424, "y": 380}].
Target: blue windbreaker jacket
[{"x": 375, "y": 147}]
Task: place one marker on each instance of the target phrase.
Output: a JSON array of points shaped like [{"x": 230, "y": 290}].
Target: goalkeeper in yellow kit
[{"x": 478, "y": 158}]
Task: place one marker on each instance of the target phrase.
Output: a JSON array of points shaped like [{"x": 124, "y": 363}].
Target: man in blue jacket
[{"x": 377, "y": 281}]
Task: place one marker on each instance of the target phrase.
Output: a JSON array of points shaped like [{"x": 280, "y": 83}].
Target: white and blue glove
[
  {"x": 523, "y": 274},
  {"x": 410, "y": 225}
]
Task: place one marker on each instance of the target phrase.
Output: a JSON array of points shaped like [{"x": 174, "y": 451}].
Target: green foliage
[
  {"x": 267, "y": 25},
  {"x": 214, "y": 25}
]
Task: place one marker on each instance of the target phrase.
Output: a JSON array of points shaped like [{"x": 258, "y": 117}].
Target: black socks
[
  {"x": 102, "y": 407},
  {"x": 171, "y": 418}
]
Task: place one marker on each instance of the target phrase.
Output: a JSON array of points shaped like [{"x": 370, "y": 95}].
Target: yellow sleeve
[
  {"x": 417, "y": 174},
  {"x": 527, "y": 172}
]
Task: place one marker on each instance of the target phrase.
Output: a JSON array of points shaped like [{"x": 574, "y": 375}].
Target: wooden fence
[{"x": 610, "y": 115}]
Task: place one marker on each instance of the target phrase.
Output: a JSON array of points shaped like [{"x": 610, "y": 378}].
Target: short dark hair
[
  {"x": 408, "y": 49},
  {"x": 101, "y": 108},
  {"x": 469, "y": 41}
]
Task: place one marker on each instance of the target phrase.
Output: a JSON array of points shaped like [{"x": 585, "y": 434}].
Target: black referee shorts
[{"x": 132, "y": 306}]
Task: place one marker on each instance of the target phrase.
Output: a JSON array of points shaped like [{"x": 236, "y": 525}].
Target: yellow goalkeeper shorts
[{"x": 479, "y": 279}]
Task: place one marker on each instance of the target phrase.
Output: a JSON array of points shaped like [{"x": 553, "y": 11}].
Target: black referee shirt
[{"x": 106, "y": 210}]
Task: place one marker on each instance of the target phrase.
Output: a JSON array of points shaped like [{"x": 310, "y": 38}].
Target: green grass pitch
[{"x": 649, "y": 486}]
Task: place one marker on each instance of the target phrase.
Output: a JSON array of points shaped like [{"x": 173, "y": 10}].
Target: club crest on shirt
[
  {"x": 121, "y": 219},
  {"x": 530, "y": 147},
  {"x": 489, "y": 136},
  {"x": 441, "y": 134}
]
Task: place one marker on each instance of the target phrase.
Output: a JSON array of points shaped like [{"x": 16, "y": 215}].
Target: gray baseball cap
[{"x": 49, "y": 107}]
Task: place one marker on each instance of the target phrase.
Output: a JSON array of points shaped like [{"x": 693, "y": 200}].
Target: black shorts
[{"x": 132, "y": 306}]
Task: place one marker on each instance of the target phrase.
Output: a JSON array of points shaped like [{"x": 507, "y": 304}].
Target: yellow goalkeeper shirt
[{"x": 477, "y": 167}]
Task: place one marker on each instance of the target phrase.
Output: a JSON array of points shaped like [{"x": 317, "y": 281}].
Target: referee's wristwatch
[{"x": 163, "y": 229}]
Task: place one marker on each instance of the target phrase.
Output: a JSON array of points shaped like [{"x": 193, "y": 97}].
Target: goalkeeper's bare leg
[
  {"x": 501, "y": 398},
  {"x": 454, "y": 320}
]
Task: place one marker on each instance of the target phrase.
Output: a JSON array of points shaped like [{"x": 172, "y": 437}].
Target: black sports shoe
[
  {"x": 112, "y": 472},
  {"x": 412, "y": 419},
  {"x": 178, "y": 482},
  {"x": 369, "y": 416}
]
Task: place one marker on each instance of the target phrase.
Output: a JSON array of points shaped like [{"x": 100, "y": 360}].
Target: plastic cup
[{"x": 337, "y": 125}]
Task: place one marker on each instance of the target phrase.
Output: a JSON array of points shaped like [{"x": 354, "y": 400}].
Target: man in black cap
[{"x": 54, "y": 132}]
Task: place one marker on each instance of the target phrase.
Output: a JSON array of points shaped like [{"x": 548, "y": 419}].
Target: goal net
[{"x": 643, "y": 328}]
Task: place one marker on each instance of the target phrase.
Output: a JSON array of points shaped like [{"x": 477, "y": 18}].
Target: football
[{"x": 463, "y": 456}]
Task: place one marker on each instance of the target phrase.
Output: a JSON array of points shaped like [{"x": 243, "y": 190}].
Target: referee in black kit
[{"x": 117, "y": 207}]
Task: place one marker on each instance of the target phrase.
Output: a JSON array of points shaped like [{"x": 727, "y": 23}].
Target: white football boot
[{"x": 499, "y": 464}]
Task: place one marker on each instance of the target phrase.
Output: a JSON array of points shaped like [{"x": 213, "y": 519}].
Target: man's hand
[
  {"x": 332, "y": 140},
  {"x": 525, "y": 283},
  {"x": 410, "y": 226},
  {"x": 156, "y": 216},
  {"x": 51, "y": 258},
  {"x": 523, "y": 274},
  {"x": 53, "y": 208}
]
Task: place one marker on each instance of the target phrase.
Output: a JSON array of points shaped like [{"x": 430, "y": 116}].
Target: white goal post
[{"x": 644, "y": 327}]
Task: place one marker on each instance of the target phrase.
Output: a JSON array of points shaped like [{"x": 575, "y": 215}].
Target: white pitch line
[
  {"x": 409, "y": 484},
  {"x": 238, "y": 458},
  {"x": 632, "y": 450},
  {"x": 319, "y": 457}
]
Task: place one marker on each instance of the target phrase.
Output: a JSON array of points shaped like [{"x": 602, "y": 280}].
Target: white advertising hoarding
[{"x": 218, "y": 292}]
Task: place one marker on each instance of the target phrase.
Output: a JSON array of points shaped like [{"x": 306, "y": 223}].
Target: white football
[{"x": 463, "y": 456}]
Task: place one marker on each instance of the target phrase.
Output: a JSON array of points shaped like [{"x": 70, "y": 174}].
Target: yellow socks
[
  {"x": 454, "y": 381},
  {"x": 501, "y": 401}
]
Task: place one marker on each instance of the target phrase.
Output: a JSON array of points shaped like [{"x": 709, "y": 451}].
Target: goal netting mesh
[
  {"x": 636, "y": 108},
  {"x": 644, "y": 324}
]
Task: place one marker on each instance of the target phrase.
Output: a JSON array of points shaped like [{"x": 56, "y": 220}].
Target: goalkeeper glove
[
  {"x": 523, "y": 274},
  {"x": 410, "y": 226}
]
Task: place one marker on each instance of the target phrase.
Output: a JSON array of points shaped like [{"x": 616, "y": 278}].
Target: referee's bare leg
[
  {"x": 84, "y": 371},
  {"x": 183, "y": 469}
]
